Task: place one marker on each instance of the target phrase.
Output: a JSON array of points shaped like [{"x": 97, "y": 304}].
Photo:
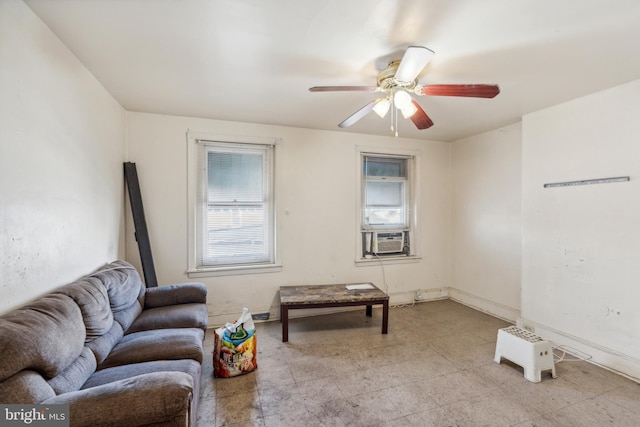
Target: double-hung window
[
  {"x": 234, "y": 207},
  {"x": 385, "y": 192}
]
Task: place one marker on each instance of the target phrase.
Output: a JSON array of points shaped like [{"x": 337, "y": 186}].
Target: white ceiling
[{"x": 254, "y": 60}]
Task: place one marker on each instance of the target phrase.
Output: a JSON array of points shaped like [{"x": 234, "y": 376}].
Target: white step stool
[{"x": 527, "y": 350}]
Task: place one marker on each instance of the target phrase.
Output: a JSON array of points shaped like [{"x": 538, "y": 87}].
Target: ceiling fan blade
[
  {"x": 420, "y": 118},
  {"x": 473, "y": 91},
  {"x": 413, "y": 61},
  {"x": 343, "y": 89},
  {"x": 359, "y": 114}
]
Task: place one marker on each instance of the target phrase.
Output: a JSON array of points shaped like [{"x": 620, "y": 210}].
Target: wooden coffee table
[{"x": 318, "y": 296}]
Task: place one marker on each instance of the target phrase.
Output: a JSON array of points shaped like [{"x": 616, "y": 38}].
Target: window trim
[
  {"x": 413, "y": 204},
  {"x": 195, "y": 140}
]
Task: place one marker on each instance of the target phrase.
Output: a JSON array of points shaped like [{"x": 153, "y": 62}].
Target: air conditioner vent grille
[{"x": 389, "y": 242}]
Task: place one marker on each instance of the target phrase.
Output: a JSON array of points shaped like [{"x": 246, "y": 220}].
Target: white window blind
[
  {"x": 385, "y": 192},
  {"x": 236, "y": 221}
]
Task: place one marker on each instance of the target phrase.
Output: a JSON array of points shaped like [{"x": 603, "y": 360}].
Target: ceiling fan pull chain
[
  {"x": 391, "y": 117},
  {"x": 395, "y": 110}
]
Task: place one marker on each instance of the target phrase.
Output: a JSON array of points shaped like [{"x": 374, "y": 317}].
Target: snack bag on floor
[{"x": 235, "y": 351}]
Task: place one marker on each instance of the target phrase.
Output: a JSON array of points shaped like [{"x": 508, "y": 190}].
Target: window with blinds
[
  {"x": 236, "y": 220},
  {"x": 385, "y": 192}
]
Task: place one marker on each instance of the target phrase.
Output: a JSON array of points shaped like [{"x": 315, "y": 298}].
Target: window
[
  {"x": 234, "y": 223},
  {"x": 384, "y": 192},
  {"x": 386, "y": 204}
]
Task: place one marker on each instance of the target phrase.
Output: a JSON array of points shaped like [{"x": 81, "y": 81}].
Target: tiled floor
[{"x": 434, "y": 368}]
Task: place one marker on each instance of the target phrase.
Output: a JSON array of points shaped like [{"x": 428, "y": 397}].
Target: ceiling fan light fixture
[
  {"x": 408, "y": 110},
  {"x": 401, "y": 99},
  {"x": 382, "y": 107}
]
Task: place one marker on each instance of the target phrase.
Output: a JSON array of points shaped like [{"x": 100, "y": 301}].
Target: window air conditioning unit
[{"x": 387, "y": 242}]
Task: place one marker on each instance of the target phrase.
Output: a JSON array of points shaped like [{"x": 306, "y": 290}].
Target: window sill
[
  {"x": 233, "y": 270},
  {"x": 402, "y": 259}
]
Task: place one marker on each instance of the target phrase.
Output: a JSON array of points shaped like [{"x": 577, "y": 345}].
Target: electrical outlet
[{"x": 418, "y": 295}]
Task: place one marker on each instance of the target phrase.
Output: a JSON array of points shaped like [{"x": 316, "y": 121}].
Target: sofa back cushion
[
  {"x": 125, "y": 290},
  {"x": 92, "y": 298},
  {"x": 44, "y": 336}
]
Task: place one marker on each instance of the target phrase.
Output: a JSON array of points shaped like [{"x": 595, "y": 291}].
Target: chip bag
[{"x": 235, "y": 351}]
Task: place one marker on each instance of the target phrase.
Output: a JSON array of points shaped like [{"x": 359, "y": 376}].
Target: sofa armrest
[
  {"x": 157, "y": 397},
  {"x": 182, "y": 293}
]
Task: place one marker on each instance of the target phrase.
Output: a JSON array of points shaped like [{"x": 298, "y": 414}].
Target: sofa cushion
[
  {"x": 76, "y": 373},
  {"x": 45, "y": 336},
  {"x": 153, "y": 399},
  {"x": 171, "y": 316},
  {"x": 125, "y": 290},
  {"x": 91, "y": 296},
  {"x": 184, "y": 293},
  {"x": 158, "y": 344},
  {"x": 25, "y": 387},
  {"x": 118, "y": 373},
  {"x": 101, "y": 346}
]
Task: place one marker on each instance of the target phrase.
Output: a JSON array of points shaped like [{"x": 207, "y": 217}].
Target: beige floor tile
[
  {"x": 627, "y": 396},
  {"x": 207, "y": 411},
  {"x": 308, "y": 368},
  {"x": 457, "y": 386},
  {"x": 434, "y": 417},
  {"x": 597, "y": 411},
  {"x": 320, "y": 390},
  {"x": 241, "y": 384},
  {"x": 366, "y": 381},
  {"x": 340, "y": 412},
  {"x": 408, "y": 399},
  {"x": 424, "y": 369},
  {"x": 492, "y": 409},
  {"x": 273, "y": 376},
  {"x": 296, "y": 416},
  {"x": 280, "y": 399},
  {"x": 549, "y": 394},
  {"x": 239, "y": 409},
  {"x": 593, "y": 379}
]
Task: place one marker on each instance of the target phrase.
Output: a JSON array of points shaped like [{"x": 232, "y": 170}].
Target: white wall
[
  {"x": 581, "y": 244},
  {"x": 61, "y": 152},
  {"x": 486, "y": 199},
  {"x": 316, "y": 190}
]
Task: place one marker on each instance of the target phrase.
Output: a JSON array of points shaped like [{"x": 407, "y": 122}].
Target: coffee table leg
[
  {"x": 369, "y": 310},
  {"x": 284, "y": 318},
  {"x": 385, "y": 317}
]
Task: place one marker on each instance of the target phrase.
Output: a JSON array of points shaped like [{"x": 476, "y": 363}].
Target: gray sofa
[{"x": 118, "y": 353}]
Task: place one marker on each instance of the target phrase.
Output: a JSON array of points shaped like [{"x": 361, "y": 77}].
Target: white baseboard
[
  {"x": 433, "y": 294},
  {"x": 493, "y": 308},
  {"x": 401, "y": 298},
  {"x": 604, "y": 357}
]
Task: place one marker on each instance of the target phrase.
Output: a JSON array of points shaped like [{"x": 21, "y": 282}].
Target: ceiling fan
[{"x": 398, "y": 81}]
